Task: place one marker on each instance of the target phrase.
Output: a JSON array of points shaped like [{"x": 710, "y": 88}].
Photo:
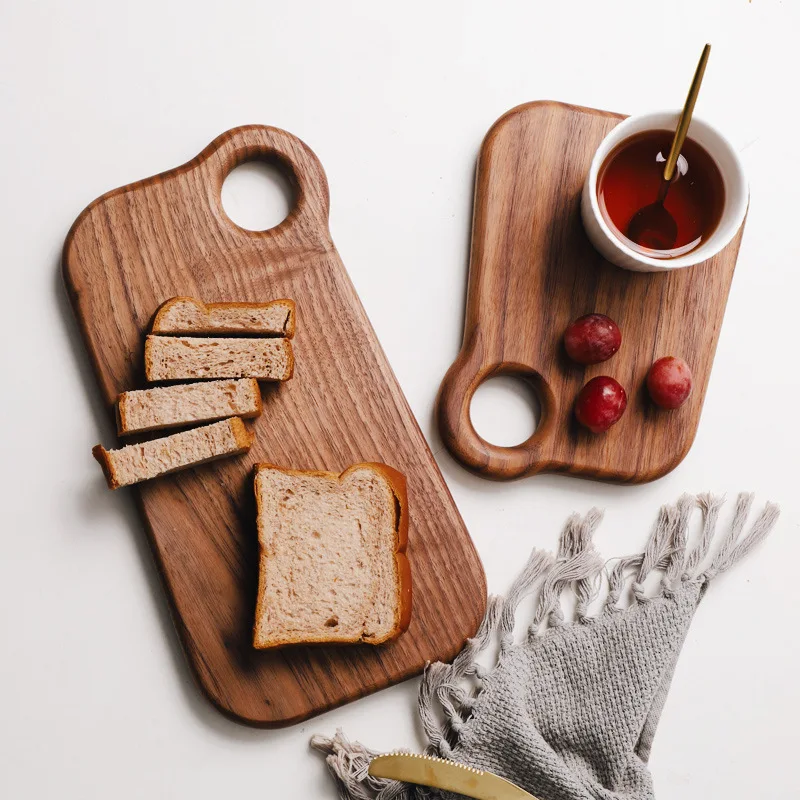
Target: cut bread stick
[
  {"x": 190, "y": 316},
  {"x": 175, "y": 358},
  {"x": 140, "y": 462},
  {"x": 185, "y": 403}
]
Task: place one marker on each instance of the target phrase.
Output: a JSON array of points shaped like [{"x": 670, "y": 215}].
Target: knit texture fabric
[{"x": 570, "y": 711}]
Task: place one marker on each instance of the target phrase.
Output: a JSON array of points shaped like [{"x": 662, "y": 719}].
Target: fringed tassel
[
  {"x": 441, "y": 682},
  {"x": 744, "y": 502},
  {"x": 657, "y": 551},
  {"x": 733, "y": 550},
  {"x": 577, "y": 563},
  {"x": 710, "y": 507},
  {"x": 587, "y": 588},
  {"x": 348, "y": 763},
  {"x": 539, "y": 562},
  {"x": 682, "y": 514},
  {"x": 617, "y": 580},
  {"x": 666, "y": 548}
]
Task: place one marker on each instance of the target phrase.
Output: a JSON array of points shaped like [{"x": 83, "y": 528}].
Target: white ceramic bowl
[{"x": 613, "y": 248}]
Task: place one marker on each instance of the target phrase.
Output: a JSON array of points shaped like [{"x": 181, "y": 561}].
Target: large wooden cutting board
[
  {"x": 532, "y": 271},
  {"x": 137, "y": 246}
]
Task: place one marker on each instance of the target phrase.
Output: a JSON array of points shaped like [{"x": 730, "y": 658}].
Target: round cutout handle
[
  {"x": 465, "y": 443},
  {"x": 308, "y": 217}
]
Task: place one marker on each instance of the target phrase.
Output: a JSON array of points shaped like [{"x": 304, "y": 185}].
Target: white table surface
[{"x": 95, "y": 697}]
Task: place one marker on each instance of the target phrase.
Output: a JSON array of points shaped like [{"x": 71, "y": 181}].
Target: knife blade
[{"x": 447, "y": 775}]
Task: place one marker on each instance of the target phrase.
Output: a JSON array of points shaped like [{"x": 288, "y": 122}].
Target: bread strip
[
  {"x": 188, "y": 315},
  {"x": 333, "y": 565},
  {"x": 176, "y": 358},
  {"x": 140, "y": 462},
  {"x": 185, "y": 403}
]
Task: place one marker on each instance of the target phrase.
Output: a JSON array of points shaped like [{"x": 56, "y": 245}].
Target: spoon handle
[{"x": 686, "y": 116}]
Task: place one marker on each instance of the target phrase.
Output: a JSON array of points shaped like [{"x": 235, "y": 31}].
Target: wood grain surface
[
  {"x": 137, "y": 246},
  {"x": 532, "y": 271}
]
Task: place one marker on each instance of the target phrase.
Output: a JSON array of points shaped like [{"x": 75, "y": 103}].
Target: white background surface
[{"x": 95, "y": 699}]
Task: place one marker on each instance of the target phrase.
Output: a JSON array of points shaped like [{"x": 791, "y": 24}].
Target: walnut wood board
[
  {"x": 134, "y": 248},
  {"x": 532, "y": 271}
]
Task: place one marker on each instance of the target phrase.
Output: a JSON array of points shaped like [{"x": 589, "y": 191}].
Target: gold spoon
[{"x": 653, "y": 226}]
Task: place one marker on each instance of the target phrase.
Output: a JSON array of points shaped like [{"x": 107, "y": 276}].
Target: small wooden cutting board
[
  {"x": 532, "y": 271},
  {"x": 134, "y": 248}
]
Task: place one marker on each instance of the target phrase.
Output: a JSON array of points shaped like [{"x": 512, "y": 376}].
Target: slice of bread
[
  {"x": 140, "y": 462},
  {"x": 332, "y": 563},
  {"x": 185, "y": 403},
  {"x": 187, "y": 315},
  {"x": 176, "y": 358}
]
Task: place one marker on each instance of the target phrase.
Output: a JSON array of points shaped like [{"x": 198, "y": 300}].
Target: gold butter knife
[{"x": 446, "y": 775}]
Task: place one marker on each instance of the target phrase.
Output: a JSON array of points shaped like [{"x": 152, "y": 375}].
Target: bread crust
[
  {"x": 101, "y": 455},
  {"x": 397, "y": 483},
  {"x": 160, "y": 326},
  {"x": 399, "y": 486},
  {"x": 243, "y": 437},
  {"x": 259, "y": 399},
  {"x": 289, "y": 364},
  {"x": 120, "y": 414}
]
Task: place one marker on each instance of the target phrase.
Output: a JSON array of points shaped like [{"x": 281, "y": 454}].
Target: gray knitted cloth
[{"x": 570, "y": 711}]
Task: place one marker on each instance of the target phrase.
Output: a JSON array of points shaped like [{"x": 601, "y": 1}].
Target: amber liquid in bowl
[{"x": 631, "y": 176}]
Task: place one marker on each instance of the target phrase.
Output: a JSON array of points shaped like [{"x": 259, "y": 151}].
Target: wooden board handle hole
[
  {"x": 290, "y": 162},
  {"x": 453, "y": 410},
  {"x": 505, "y": 410},
  {"x": 258, "y": 195}
]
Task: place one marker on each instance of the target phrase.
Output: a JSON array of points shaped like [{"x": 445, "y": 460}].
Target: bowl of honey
[{"x": 707, "y": 197}]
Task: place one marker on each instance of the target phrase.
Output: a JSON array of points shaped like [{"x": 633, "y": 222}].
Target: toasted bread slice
[
  {"x": 185, "y": 403},
  {"x": 140, "y": 462},
  {"x": 176, "y": 358},
  {"x": 190, "y": 316},
  {"x": 333, "y": 567}
]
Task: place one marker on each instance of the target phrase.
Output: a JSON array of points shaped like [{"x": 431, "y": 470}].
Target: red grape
[
  {"x": 600, "y": 404},
  {"x": 669, "y": 382},
  {"x": 592, "y": 339}
]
